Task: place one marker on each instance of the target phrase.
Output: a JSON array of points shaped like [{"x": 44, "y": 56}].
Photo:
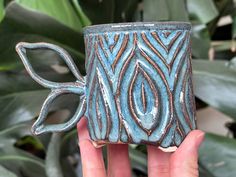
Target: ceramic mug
[{"x": 138, "y": 88}]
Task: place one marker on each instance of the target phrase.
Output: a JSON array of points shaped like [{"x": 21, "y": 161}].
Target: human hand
[{"x": 182, "y": 163}]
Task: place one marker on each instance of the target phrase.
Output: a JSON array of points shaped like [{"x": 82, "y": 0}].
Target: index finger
[
  {"x": 92, "y": 160},
  {"x": 158, "y": 162}
]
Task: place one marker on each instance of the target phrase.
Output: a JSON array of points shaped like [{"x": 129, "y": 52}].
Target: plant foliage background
[{"x": 61, "y": 22}]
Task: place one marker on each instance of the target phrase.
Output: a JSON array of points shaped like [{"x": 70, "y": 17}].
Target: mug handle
[{"x": 57, "y": 89}]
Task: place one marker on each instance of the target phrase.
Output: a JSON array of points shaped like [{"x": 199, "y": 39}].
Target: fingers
[
  {"x": 158, "y": 162},
  {"x": 92, "y": 160},
  {"x": 184, "y": 161},
  {"x": 118, "y": 160}
]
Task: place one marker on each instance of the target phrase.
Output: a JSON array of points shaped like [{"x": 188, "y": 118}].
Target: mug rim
[{"x": 127, "y": 26}]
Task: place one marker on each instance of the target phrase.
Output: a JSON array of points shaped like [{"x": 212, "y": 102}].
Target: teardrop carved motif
[{"x": 144, "y": 104}]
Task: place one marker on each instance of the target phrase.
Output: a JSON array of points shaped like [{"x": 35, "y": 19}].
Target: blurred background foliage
[{"x": 61, "y": 22}]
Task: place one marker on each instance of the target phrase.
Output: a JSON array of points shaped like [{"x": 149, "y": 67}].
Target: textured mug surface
[{"x": 138, "y": 87}]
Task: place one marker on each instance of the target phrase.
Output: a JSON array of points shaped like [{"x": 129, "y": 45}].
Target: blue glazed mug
[{"x": 138, "y": 88}]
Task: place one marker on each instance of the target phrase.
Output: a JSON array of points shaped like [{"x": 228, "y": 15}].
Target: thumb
[{"x": 184, "y": 161}]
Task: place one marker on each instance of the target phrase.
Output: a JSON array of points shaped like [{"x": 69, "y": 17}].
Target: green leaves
[
  {"x": 21, "y": 98},
  {"x": 23, "y": 163},
  {"x": 21, "y": 24},
  {"x": 53, "y": 168},
  {"x": 62, "y": 11},
  {"x": 202, "y": 10},
  {"x": 232, "y": 64},
  {"x": 218, "y": 156},
  {"x": 20, "y": 107},
  {"x": 234, "y": 27},
  {"x": 104, "y": 8},
  {"x": 84, "y": 20},
  {"x": 156, "y": 10},
  {"x": 6, "y": 173},
  {"x": 200, "y": 41},
  {"x": 138, "y": 160},
  {"x": 2, "y": 12},
  {"x": 16, "y": 160},
  {"x": 124, "y": 10},
  {"x": 215, "y": 84},
  {"x": 109, "y": 11}
]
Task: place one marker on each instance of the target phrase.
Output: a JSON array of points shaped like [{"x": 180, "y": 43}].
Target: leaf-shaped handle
[{"x": 57, "y": 89}]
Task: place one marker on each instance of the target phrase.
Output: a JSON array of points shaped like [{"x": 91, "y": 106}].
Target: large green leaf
[
  {"x": 232, "y": 64},
  {"x": 224, "y": 7},
  {"x": 124, "y": 10},
  {"x": 156, "y": 10},
  {"x": 20, "y": 162},
  {"x": 200, "y": 41},
  {"x": 21, "y": 98},
  {"x": 218, "y": 156},
  {"x": 69, "y": 143},
  {"x": 5, "y": 172},
  {"x": 215, "y": 84},
  {"x": 2, "y": 11},
  {"x": 24, "y": 106},
  {"x": 177, "y": 10},
  {"x": 21, "y": 24},
  {"x": 202, "y": 10},
  {"x": 20, "y": 107},
  {"x": 220, "y": 46},
  {"x": 69, "y": 147},
  {"x": 109, "y": 10},
  {"x": 62, "y": 11},
  {"x": 53, "y": 167},
  {"x": 16, "y": 82},
  {"x": 138, "y": 160},
  {"x": 203, "y": 172},
  {"x": 234, "y": 26},
  {"x": 82, "y": 17},
  {"x": 99, "y": 11}
]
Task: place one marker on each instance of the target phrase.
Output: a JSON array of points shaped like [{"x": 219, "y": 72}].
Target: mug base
[{"x": 98, "y": 144}]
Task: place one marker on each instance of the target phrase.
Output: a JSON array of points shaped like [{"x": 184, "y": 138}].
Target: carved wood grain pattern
[{"x": 143, "y": 83}]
